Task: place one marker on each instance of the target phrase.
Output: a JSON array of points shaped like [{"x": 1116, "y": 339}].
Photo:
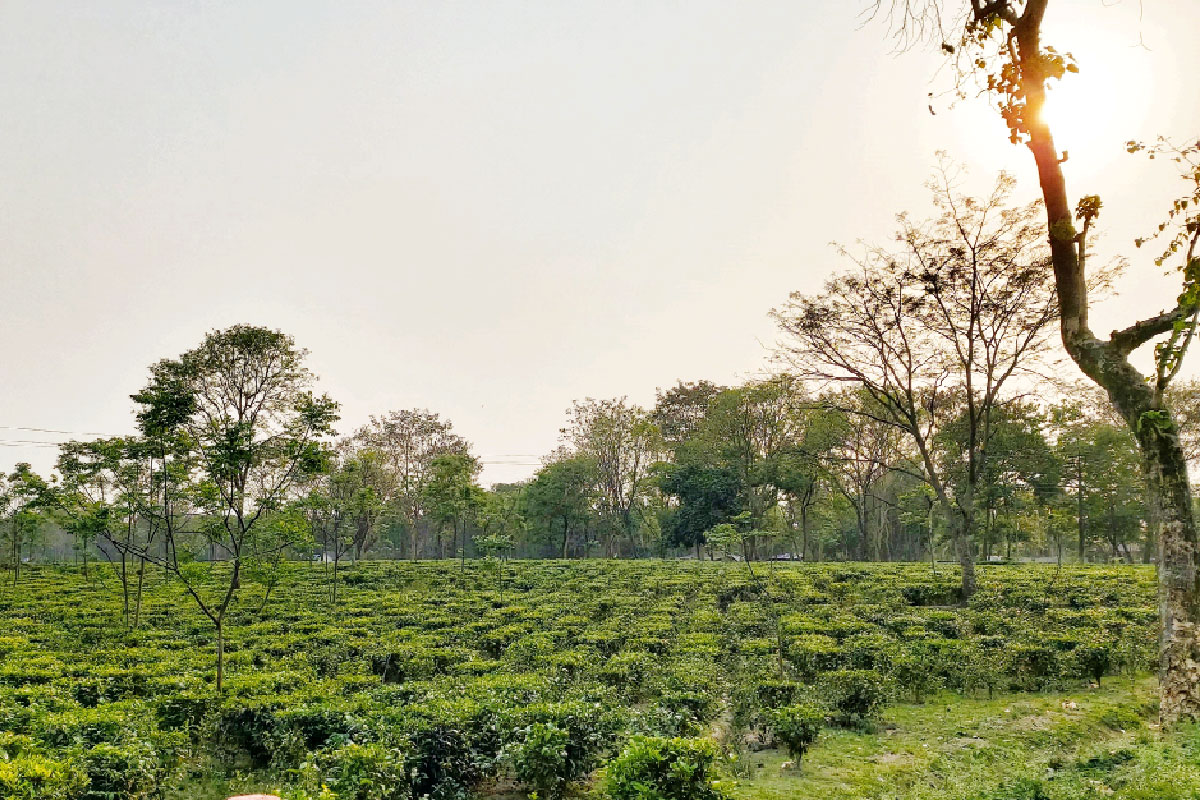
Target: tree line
[{"x": 914, "y": 415}]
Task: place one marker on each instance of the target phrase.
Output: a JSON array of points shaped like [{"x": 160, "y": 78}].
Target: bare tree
[{"x": 948, "y": 317}]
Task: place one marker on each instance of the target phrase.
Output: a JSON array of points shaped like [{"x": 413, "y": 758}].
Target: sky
[{"x": 491, "y": 209}]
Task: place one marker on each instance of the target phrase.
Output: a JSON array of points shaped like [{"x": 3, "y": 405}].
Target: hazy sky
[{"x": 490, "y": 209}]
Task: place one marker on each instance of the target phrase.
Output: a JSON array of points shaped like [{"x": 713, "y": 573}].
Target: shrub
[
  {"x": 539, "y": 758},
  {"x": 131, "y": 771},
  {"x": 857, "y": 694},
  {"x": 776, "y": 694},
  {"x": 182, "y": 711},
  {"x": 653, "y": 768},
  {"x": 316, "y": 726},
  {"x": 32, "y": 777},
  {"x": 253, "y": 730},
  {"x": 443, "y": 763},
  {"x": 360, "y": 772},
  {"x": 1094, "y": 659},
  {"x": 796, "y": 727},
  {"x": 813, "y": 654}
]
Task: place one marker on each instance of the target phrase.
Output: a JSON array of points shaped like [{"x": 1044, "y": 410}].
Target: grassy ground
[{"x": 1097, "y": 743}]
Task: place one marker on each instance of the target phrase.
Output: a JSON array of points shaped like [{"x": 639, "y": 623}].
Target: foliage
[
  {"x": 797, "y": 727},
  {"x": 653, "y": 768}
]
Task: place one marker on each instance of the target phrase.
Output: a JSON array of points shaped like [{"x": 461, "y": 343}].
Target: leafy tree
[
  {"x": 623, "y": 442},
  {"x": 241, "y": 400},
  {"x": 708, "y": 496},
  {"x": 407, "y": 442},
  {"x": 1101, "y": 472},
  {"x": 105, "y": 487},
  {"x": 562, "y": 495},
  {"x": 860, "y": 449},
  {"x": 1020, "y": 463},
  {"x": 681, "y": 410},
  {"x": 22, "y": 497},
  {"x": 451, "y": 496}
]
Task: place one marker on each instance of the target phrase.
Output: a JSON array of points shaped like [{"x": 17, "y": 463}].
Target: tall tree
[
  {"x": 22, "y": 498},
  {"x": 560, "y": 498},
  {"x": 1001, "y": 41},
  {"x": 408, "y": 441},
  {"x": 623, "y": 442},
  {"x": 452, "y": 497},
  {"x": 947, "y": 318},
  {"x": 748, "y": 426},
  {"x": 1020, "y": 465},
  {"x": 681, "y": 410},
  {"x": 243, "y": 401},
  {"x": 708, "y": 495}
]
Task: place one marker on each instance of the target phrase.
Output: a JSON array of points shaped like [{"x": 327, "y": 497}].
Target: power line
[{"x": 54, "y": 430}]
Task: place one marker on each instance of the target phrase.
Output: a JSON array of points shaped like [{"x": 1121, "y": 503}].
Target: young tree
[
  {"x": 104, "y": 488},
  {"x": 242, "y": 402},
  {"x": 945, "y": 320},
  {"x": 1002, "y": 43},
  {"x": 22, "y": 496}
]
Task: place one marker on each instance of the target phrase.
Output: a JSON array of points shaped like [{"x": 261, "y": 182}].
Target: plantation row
[{"x": 427, "y": 680}]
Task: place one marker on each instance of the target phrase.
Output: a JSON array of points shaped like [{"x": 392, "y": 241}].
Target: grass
[{"x": 1096, "y": 743}]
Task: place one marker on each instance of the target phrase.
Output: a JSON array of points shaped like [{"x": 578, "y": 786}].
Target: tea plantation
[{"x": 612, "y": 679}]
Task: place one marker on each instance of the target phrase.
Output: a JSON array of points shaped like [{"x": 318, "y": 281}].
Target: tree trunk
[
  {"x": 932, "y": 543},
  {"x": 220, "y": 654},
  {"x": 1142, "y": 408},
  {"x": 137, "y": 606},
  {"x": 1179, "y": 595},
  {"x": 966, "y": 555}
]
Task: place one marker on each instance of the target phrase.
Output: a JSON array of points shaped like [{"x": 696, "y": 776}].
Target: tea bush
[
  {"x": 652, "y": 768},
  {"x": 427, "y": 680}
]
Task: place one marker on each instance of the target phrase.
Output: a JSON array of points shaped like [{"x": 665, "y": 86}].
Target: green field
[{"x": 430, "y": 680}]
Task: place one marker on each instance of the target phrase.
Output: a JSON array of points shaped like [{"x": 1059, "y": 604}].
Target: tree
[
  {"x": 1020, "y": 465},
  {"x": 343, "y": 508},
  {"x": 362, "y": 481},
  {"x": 681, "y": 409},
  {"x": 859, "y": 450},
  {"x": 243, "y": 404},
  {"x": 1101, "y": 473},
  {"x": 744, "y": 429},
  {"x": 623, "y": 442},
  {"x": 708, "y": 496},
  {"x": 105, "y": 485},
  {"x": 408, "y": 441},
  {"x": 562, "y": 494},
  {"x": 22, "y": 496},
  {"x": 943, "y": 321},
  {"x": 1002, "y": 42},
  {"x": 451, "y": 495}
]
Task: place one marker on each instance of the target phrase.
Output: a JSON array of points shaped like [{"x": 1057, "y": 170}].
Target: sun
[{"x": 1092, "y": 113}]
